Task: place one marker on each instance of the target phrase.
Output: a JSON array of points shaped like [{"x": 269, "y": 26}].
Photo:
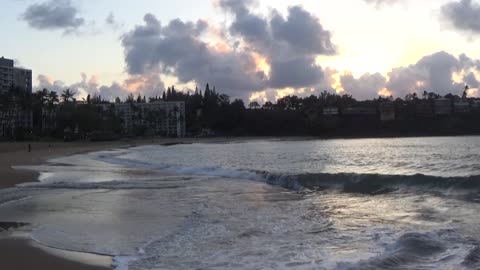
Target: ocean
[{"x": 401, "y": 203}]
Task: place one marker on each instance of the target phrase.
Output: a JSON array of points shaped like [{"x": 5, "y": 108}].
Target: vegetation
[{"x": 56, "y": 115}]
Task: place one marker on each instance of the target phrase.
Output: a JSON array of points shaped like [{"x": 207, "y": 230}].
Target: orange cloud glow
[
  {"x": 385, "y": 92},
  {"x": 261, "y": 63}
]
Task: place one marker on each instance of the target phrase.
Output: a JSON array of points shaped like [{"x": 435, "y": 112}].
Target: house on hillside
[
  {"x": 442, "y": 106},
  {"x": 461, "y": 106},
  {"x": 424, "y": 109},
  {"x": 387, "y": 111},
  {"x": 330, "y": 111},
  {"x": 356, "y": 111},
  {"x": 476, "y": 105}
]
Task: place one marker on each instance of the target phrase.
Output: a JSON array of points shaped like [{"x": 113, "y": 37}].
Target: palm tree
[
  {"x": 67, "y": 95},
  {"x": 52, "y": 99}
]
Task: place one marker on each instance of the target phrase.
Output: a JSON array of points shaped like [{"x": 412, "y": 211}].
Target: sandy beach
[{"x": 19, "y": 253}]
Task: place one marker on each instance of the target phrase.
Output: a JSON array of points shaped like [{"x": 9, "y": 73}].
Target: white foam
[{"x": 123, "y": 262}]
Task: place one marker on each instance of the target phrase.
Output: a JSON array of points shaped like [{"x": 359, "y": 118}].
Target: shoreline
[
  {"x": 22, "y": 253},
  {"x": 19, "y": 252},
  {"x": 16, "y": 154}
]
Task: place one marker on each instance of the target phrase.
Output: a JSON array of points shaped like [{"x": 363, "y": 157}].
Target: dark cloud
[
  {"x": 239, "y": 8},
  {"x": 463, "y": 15},
  {"x": 289, "y": 44},
  {"x": 53, "y": 15},
  {"x": 178, "y": 50},
  {"x": 296, "y": 73},
  {"x": 303, "y": 32}
]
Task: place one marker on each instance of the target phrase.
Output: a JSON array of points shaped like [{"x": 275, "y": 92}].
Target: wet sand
[
  {"x": 23, "y": 254},
  {"x": 20, "y": 253}
]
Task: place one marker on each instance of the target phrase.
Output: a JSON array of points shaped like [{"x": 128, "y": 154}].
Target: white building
[{"x": 157, "y": 118}]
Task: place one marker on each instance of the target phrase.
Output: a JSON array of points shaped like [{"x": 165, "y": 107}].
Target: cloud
[
  {"x": 289, "y": 44},
  {"x": 296, "y": 72},
  {"x": 53, "y": 15},
  {"x": 112, "y": 22},
  {"x": 380, "y": 3},
  {"x": 178, "y": 50},
  {"x": 302, "y": 31},
  {"x": 463, "y": 15},
  {"x": 251, "y": 54},
  {"x": 146, "y": 85},
  {"x": 46, "y": 82},
  {"x": 440, "y": 72},
  {"x": 366, "y": 87},
  {"x": 431, "y": 73}
]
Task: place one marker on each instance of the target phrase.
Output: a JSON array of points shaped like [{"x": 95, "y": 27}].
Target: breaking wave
[
  {"x": 372, "y": 184},
  {"x": 411, "y": 251}
]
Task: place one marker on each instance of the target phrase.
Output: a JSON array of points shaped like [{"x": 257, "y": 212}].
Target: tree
[
  {"x": 268, "y": 106},
  {"x": 68, "y": 95},
  {"x": 465, "y": 92},
  {"x": 52, "y": 100},
  {"x": 254, "y": 105}
]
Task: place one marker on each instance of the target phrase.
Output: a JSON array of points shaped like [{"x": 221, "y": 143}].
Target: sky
[{"x": 250, "y": 49}]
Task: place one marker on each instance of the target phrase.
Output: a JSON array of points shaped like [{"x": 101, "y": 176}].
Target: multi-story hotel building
[{"x": 14, "y": 76}]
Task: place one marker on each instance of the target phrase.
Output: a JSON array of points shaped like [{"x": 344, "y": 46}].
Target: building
[
  {"x": 14, "y": 76},
  {"x": 424, "y": 109},
  {"x": 155, "y": 118},
  {"x": 461, "y": 107},
  {"x": 476, "y": 105},
  {"x": 443, "y": 106},
  {"x": 13, "y": 120},
  {"x": 49, "y": 119},
  {"x": 387, "y": 111},
  {"x": 330, "y": 111},
  {"x": 359, "y": 111}
]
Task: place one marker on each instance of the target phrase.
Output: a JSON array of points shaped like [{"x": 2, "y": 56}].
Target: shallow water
[{"x": 350, "y": 204}]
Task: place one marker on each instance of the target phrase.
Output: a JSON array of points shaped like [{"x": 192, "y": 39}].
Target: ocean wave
[
  {"x": 167, "y": 183},
  {"x": 473, "y": 259},
  {"x": 411, "y": 251},
  {"x": 372, "y": 184}
]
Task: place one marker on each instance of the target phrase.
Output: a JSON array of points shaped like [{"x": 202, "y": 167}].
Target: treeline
[
  {"x": 210, "y": 112},
  {"x": 47, "y": 113}
]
